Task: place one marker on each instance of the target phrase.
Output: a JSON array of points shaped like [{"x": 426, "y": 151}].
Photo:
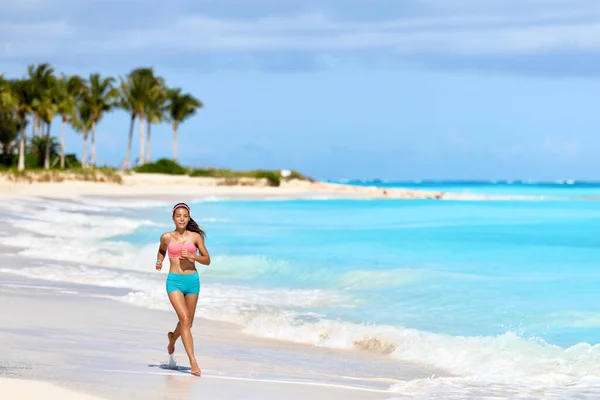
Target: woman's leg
[
  {"x": 185, "y": 321},
  {"x": 190, "y": 300}
]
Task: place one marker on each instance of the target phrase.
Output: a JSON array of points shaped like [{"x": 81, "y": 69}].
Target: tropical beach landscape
[{"x": 376, "y": 231}]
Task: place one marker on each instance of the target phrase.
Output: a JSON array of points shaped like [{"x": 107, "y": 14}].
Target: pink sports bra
[{"x": 174, "y": 248}]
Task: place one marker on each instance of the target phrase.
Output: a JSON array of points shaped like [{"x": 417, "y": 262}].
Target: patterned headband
[{"x": 178, "y": 205}]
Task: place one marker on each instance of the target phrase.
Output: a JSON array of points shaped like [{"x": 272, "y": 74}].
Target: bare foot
[
  {"x": 171, "y": 346},
  {"x": 195, "y": 369}
]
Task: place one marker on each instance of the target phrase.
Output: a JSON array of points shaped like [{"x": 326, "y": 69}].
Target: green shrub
[
  {"x": 297, "y": 175},
  {"x": 162, "y": 166},
  {"x": 214, "y": 173},
  {"x": 166, "y": 166},
  {"x": 71, "y": 161},
  {"x": 32, "y": 161},
  {"x": 274, "y": 178},
  {"x": 201, "y": 172}
]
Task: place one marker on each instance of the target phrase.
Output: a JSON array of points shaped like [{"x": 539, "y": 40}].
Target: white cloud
[
  {"x": 36, "y": 30},
  {"x": 460, "y": 28},
  {"x": 318, "y": 33}
]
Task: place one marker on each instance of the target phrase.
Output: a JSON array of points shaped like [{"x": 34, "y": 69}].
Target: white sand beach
[
  {"x": 160, "y": 185},
  {"x": 29, "y": 389}
]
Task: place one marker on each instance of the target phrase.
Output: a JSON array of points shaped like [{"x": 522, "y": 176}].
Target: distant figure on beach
[{"x": 183, "y": 282}]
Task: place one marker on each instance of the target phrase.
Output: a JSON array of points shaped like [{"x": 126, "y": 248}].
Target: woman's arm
[
  {"x": 162, "y": 250},
  {"x": 204, "y": 257}
]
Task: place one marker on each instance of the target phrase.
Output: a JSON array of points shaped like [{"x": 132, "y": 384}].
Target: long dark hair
[{"x": 192, "y": 226}]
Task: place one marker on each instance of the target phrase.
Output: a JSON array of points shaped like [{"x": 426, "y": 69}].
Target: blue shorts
[{"x": 184, "y": 283}]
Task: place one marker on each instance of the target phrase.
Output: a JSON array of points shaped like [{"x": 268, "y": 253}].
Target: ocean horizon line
[{"x": 468, "y": 181}]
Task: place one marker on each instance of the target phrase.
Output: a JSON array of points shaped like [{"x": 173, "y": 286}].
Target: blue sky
[{"x": 396, "y": 89}]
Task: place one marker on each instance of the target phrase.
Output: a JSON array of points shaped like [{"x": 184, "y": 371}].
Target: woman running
[{"x": 183, "y": 282}]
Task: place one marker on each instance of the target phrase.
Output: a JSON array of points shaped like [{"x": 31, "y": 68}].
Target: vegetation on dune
[
  {"x": 230, "y": 177},
  {"x": 228, "y": 173},
  {"x": 162, "y": 166},
  {"x": 102, "y": 174}
]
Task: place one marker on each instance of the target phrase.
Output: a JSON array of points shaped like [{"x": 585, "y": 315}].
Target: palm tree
[
  {"x": 46, "y": 108},
  {"x": 22, "y": 94},
  {"x": 6, "y": 99},
  {"x": 69, "y": 90},
  {"x": 41, "y": 77},
  {"x": 44, "y": 104},
  {"x": 101, "y": 98},
  {"x": 81, "y": 121},
  {"x": 44, "y": 148},
  {"x": 127, "y": 103},
  {"x": 9, "y": 131},
  {"x": 145, "y": 84},
  {"x": 180, "y": 107},
  {"x": 9, "y": 125},
  {"x": 155, "y": 112},
  {"x": 134, "y": 99}
]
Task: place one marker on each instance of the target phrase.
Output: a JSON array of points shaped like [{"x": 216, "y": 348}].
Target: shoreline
[
  {"x": 47, "y": 344},
  {"x": 87, "y": 338},
  {"x": 148, "y": 184}
]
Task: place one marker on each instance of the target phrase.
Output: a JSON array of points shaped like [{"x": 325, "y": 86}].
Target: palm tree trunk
[
  {"x": 62, "y": 143},
  {"x": 38, "y": 126},
  {"x": 127, "y": 163},
  {"x": 148, "y": 142},
  {"x": 84, "y": 155},
  {"x": 93, "y": 160},
  {"x": 141, "y": 159},
  {"x": 21, "y": 164},
  {"x": 175, "y": 141},
  {"x": 11, "y": 147},
  {"x": 33, "y": 125},
  {"x": 47, "y": 152}
]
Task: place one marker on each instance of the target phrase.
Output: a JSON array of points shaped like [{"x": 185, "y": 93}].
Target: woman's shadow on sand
[{"x": 171, "y": 366}]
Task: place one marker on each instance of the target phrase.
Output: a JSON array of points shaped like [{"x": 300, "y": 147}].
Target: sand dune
[{"x": 159, "y": 184}]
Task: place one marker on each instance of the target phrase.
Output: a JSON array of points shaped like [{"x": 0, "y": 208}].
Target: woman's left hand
[{"x": 187, "y": 255}]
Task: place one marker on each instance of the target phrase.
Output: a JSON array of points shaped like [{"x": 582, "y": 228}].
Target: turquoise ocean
[{"x": 502, "y": 293}]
